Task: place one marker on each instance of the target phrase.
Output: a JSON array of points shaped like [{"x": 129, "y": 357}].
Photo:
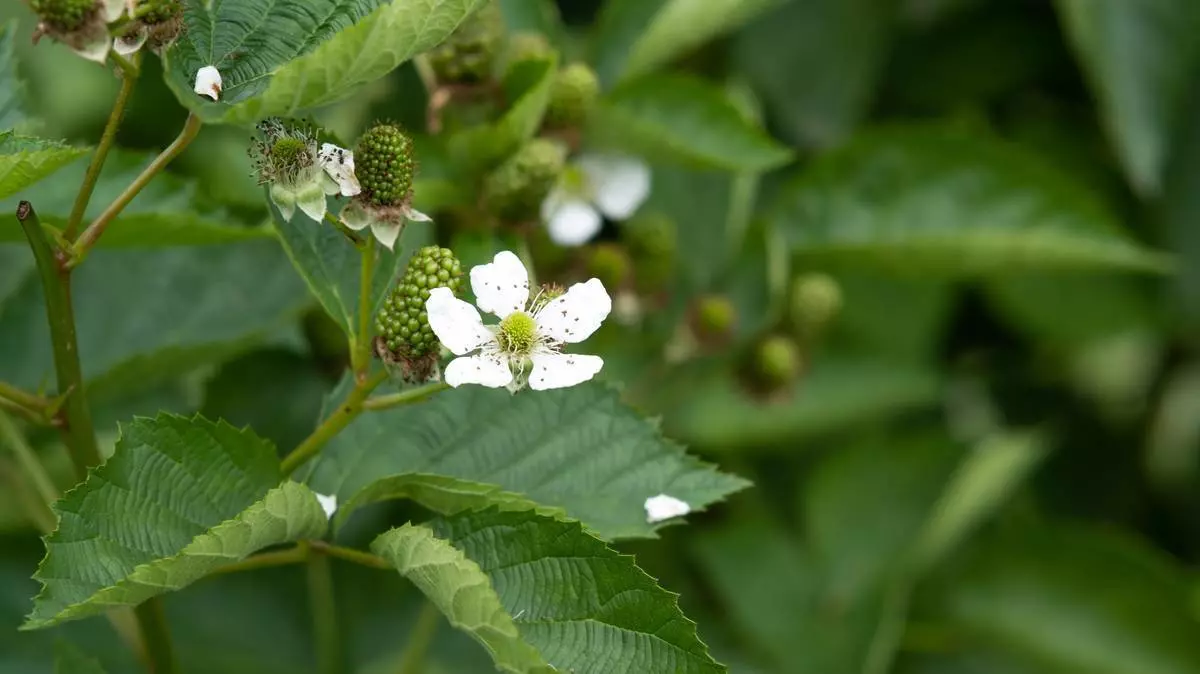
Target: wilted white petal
[
  {"x": 311, "y": 199},
  {"x": 576, "y": 314},
  {"x": 619, "y": 184},
  {"x": 113, "y": 9},
  {"x": 132, "y": 41},
  {"x": 416, "y": 216},
  {"x": 208, "y": 82},
  {"x": 328, "y": 503},
  {"x": 664, "y": 507},
  {"x": 285, "y": 200},
  {"x": 355, "y": 216},
  {"x": 502, "y": 285},
  {"x": 456, "y": 323},
  {"x": 387, "y": 232},
  {"x": 339, "y": 165},
  {"x": 560, "y": 370},
  {"x": 573, "y": 222},
  {"x": 485, "y": 369},
  {"x": 93, "y": 43}
]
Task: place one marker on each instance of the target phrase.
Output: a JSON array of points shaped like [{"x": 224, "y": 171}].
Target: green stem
[
  {"x": 889, "y": 632},
  {"x": 25, "y": 399},
  {"x": 106, "y": 142},
  {"x": 324, "y": 613},
  {"x": 351, "y": 555},
  {"x": 153, "y": 623},
  {"x": 56, "y": 285},
  {"x": 94, "y": 230},
  {"x": 11, "y": 436},
  {"x": 421, "y": 638},
  {"x": 413, "y": 395},
  {"x": 341, "y": 417},
  {"x": 360, "y": 345},
  {"x": 267, "y": 560}
]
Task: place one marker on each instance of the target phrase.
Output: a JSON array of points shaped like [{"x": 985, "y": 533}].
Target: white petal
[
  {"x": 456, "y": 323},
  {"x": 285, "y": 201},
  {"x": 413, "y": 214},
  {"x": 619, "y": 184},
  {"x": 93, "y": 44},
  {"x": 387, "y": 233},
  {"x": 573, "y": 222},
  {"x": 339, "y": 164},
  {"x": 575, "y": 315},
  {"x": 208, "y": 83},
  {"x": 328, "y": 503},
  {"x": 113, "y": 9},
  {"x": 132, "y": 41},
  {"x": 355, "y": 216},
  {"x": 311, "y": 200},
  {"x": 560, "y": 370},
  {"x": 502, "y": 285},
  {"x": 485, "y": 369},
  {"x": 664, "y": 507}
]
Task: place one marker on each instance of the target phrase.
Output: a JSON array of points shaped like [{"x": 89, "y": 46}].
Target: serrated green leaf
[
  {"x": 24, "y": 160},
  {"x": 70, "y": 660},
  {"x": 441, "y": 494},
  {"x": 193, "y": 306},
  {"x": 179, "y": 498},
  {"x": 686, "y": 120},
  {"x": 12, "y": 90},
  {"x": 931, "y": 200},
  {"x": 788, "y": 56},
  {"x": 838, "y": 392},
  {"x": 682, "y": 25},
  {"x": 1066, "y": 598},
  {"x": 578, "y": 449},
  {"x": 1141, "y": 58},
  {"x": 544, "y": 596},
  {"x": 165, "y": 213},
  {"x": 331, "y": 265},
  {"x": 527, "y": 85},
  {"x": 371, "y": 48}
]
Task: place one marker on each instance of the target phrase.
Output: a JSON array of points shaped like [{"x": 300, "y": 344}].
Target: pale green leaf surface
[
  {"x": 619, "y": 26},
  {"x": 940, "y": 201},
  {"x": 330, "y": 264},
  {"x": 683, "y": 25},
  {"x": 579, "y": 449},
  {"x": 1071, "y": 310},
  {"x": 528, "y": 86},
  {"x": 545, "y": 596},
  {"x": 441, "y": 494},
  {"x": 24, "y": 161},
  {"x": 686, "y": 120},
  {"x": 1141, "y": 57},
  {"x": 179, "y": 498},
  {"x": 187, "y": 307},
  {"x": 371, "y": 48},
  {"x": 12, "y": 90}
]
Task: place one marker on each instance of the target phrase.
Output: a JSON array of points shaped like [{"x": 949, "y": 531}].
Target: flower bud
[
  {"x": 816, "y": 300},
  {"x": 403, "y": 326},
  {"x": 777, "y": 363},
  {"x": 529, "y": 47},
  {"x": 572, "y": 96},
  {"x": 469, "y": 54},
  {"x": 65, "y": 15},
  {"x": 516, "y": 189},
  {"x": 609, "y": 263},
  {"x": 651, "y": 240},
  {"x": 385, "y": 165},
  {"x": 713, "y": 319}
]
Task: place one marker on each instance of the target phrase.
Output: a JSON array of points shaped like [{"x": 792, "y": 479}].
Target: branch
[{"x": 341, "y": 417}]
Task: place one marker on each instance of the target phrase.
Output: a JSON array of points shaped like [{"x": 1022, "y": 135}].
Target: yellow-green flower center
[{"x": 518, "y": 333}]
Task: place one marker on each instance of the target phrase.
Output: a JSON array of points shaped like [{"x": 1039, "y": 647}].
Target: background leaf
[
  {"x": 544, "y": 596},
  {"x": 24, "y": 161},
  {"x": 205, "y": 494},
  {"x": 527, "y": 85},
  {"x": 12, "y": 107}
]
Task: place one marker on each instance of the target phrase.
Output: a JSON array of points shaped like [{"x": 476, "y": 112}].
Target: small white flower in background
[
  {"x": 299, "y": 175},
  {"x": 664, "y": 507},
  {"x": 328, "y": 503},
  {"x": 208, "y": 82},
  {"x": 593, "y": 188},
  {"x": 531, "y": 332}
]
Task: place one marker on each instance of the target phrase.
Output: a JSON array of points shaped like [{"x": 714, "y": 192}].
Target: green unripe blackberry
[
  {"x": 157, "y": 11},
  {"x": 777, "y": 363},
  {"x": 713, "y": 318},
  {"x": 652, "y": 242},
  {"x": 384, "y": 164},
  {"x": 516, "y": 189},
  {"x": 469, "y": 54},
  {"x": 816, "y": 300},
  {"x": 65, "y": 15},
  {"x": 572, "y": 96},
  {"x": 609, "y": 263},
  {"x": 529, "y": 47},
  {"x": 402, "y": 322}
]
